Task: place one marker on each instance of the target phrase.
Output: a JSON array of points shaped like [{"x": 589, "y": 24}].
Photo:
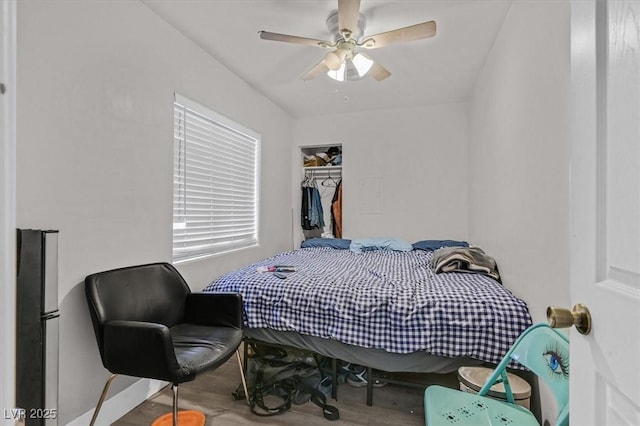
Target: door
[{"x": 605, "y": 211}]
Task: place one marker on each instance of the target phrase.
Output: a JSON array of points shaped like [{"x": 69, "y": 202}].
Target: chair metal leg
[
  {"x": 174, "y": 388},
  {"x": 244, "y": 382},
  {"x": 105, "y": 390}
]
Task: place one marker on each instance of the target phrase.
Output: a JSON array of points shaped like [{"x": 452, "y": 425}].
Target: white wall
[
  {"x": 519, "y": 154},
  {"x": 94, "y": 155},
  {"x": 8, "y": 32},
  {"x": 417, "y": 157}
]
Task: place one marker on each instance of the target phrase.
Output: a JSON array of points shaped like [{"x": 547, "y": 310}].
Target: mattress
[{"x": 382, "y": 300}]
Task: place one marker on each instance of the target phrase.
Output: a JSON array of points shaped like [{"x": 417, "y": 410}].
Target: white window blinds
[{"x": 214, "y": 183}]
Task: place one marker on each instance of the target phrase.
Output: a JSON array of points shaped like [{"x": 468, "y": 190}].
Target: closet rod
[{"x": 323, "y": 168}]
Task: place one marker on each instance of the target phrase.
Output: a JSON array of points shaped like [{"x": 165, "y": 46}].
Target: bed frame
[{"x": 416, "y": 362}]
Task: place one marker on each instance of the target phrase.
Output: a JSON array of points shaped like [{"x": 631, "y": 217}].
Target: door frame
[{"x": 8, "y": 49}]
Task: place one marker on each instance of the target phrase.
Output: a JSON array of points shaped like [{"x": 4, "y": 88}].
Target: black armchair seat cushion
[{"x": 200, "y": 347}]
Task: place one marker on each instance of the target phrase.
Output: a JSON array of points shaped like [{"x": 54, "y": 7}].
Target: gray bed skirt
[{"x": 415, "y": 362}]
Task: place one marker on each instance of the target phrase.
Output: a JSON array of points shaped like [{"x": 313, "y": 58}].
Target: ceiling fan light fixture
[
  {"x": 335, "y": 59},
  {"x": 338, "y": 74},
  {"x": 346, "y": 28},
  {"x": 362, "y": 63}
]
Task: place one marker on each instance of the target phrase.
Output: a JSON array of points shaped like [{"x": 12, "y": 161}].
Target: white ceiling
[{"x": 438, "y": 70}]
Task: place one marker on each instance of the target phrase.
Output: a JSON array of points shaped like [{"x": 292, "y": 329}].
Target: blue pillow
[
  {"x": 370, "y": 244},
  {"x": 432, "y": 245},
  {"x": 336, "y": 243}
]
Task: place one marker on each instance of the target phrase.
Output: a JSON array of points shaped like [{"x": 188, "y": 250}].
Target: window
[{"x": 215, "y": 169}]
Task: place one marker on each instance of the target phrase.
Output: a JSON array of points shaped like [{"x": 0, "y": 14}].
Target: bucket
[
  {"x": 472, "y": 378},
  {"x": 185, "y": 418}
]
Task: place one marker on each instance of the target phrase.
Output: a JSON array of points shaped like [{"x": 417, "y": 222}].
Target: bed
[{"x": 386, "y": 308}]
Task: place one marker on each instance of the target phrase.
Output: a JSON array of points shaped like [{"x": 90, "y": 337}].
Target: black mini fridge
[{"x": 37, "y": 319}]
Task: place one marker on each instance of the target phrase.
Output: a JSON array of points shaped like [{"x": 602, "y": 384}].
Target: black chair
[{"x": 149, "y": 324}]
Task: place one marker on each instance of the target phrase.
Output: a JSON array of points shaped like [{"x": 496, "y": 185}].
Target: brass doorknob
[{"x": 563, "y": 318}]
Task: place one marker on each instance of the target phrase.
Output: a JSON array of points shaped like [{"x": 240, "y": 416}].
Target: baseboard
[{"x": 121, "y": 403}]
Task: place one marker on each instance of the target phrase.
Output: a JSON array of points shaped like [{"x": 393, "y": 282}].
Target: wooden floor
[{"x": 211, "y": 394}]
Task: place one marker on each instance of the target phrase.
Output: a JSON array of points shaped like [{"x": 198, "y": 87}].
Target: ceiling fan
[{"x": 344, "y": 59}]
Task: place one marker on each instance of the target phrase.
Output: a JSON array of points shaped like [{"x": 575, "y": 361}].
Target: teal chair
[{"x": 542, "y": 350}]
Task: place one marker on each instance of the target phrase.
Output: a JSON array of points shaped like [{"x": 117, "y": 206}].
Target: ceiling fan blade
[
  {"x": 348, "y": 14},
  {"x": 410, "y": 33},
  {"x": 379, "y": 72},
  {"x": 315, "y": 71},
  {"x": 266, "y": 35}
]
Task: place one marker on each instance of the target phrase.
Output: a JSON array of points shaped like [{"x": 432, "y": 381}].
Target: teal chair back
[{"x": 544, "y": 351}]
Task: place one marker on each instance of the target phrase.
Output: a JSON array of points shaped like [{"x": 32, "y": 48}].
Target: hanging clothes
[
  {"x": 304, "y": 209},
  {"x": 317, "y": 213},
  {"x": 311, "y": 212},
  {"x": 336, "y": 211}
]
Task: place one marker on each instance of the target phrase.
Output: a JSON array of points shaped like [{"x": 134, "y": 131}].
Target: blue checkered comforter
[{"x": 381, "y": 299}]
